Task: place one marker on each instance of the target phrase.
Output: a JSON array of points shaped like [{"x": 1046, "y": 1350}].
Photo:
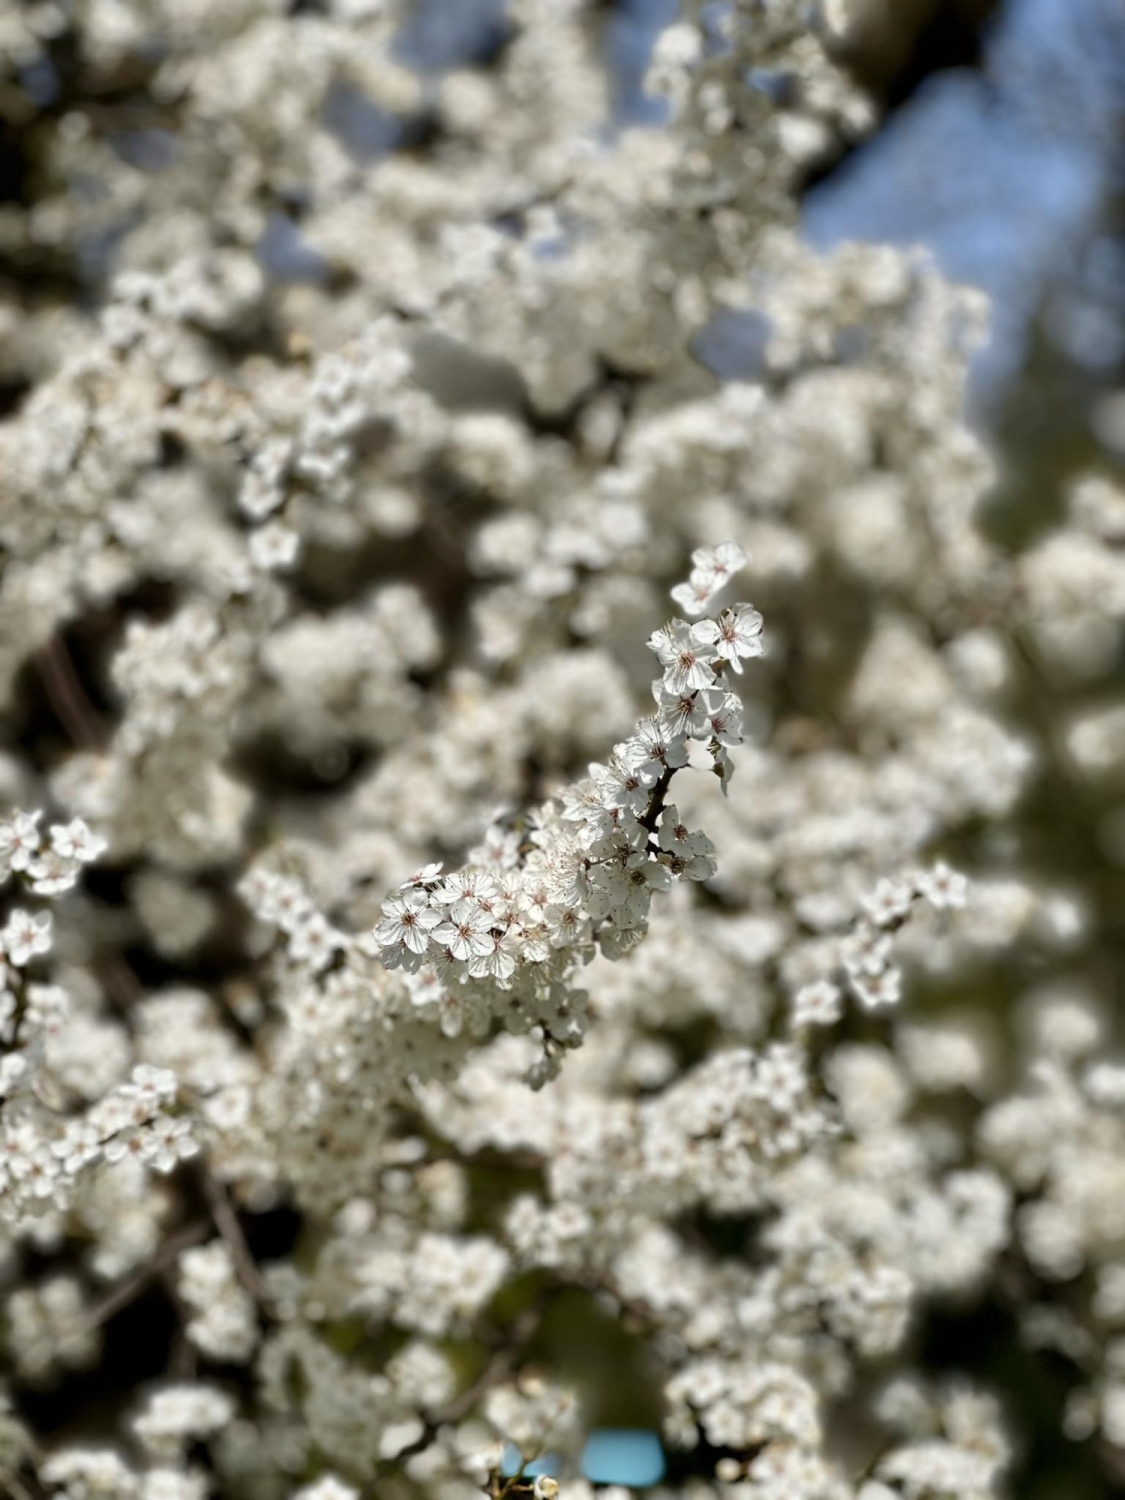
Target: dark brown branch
[
  {"x": 656, "y": 799},
  {"x": 76, "y": 713}
]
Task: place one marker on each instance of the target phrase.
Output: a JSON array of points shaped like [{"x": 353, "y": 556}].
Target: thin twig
[
  {"x": 226, "y": 1222},
  {"x": 128, "y": 1291},
  {"x": 182, "y": 1362},
  {"x": 76, "y": 713},
  {"x": 504, "y": 1362},
  {"x": 498, "y": 1368},
  {"x": 122, "y": 987}
]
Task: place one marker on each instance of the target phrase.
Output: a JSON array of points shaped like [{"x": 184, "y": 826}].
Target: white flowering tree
[{"x": 398, "y": 987}]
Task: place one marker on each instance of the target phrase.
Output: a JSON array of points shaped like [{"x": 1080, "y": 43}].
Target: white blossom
[
  {"x": 434, "y": 1032},
  {"x": 25, "y": 936}
]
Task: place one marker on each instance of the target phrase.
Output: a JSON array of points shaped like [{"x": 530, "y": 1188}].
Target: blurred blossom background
[{"x": 997, "y": 145}]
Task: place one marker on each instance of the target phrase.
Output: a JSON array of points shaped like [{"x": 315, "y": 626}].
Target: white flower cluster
[
  {"x": 44, "y": 1155},
  {"x": 45, "y": 1147},
  {"x": 865, "y": 955},
  {"x": 337, "y": 507},
  {"x": 582, "y": 874},
  {"x": 48, "y": 868},
  {"x": 225, "y": 1322}
]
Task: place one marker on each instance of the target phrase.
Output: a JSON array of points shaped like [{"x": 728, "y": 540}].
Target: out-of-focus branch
[
  {"x": 226, "y": 1222},
  {"x": 129, "y": 1290},
  {"x": 76, "y": 713}
]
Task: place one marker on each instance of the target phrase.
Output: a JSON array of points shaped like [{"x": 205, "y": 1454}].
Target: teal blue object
[
  {"x": 623, "y": 1455},
  {"x": 511, "y": 1460},
  {"x": 548, "y": 1464}
]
